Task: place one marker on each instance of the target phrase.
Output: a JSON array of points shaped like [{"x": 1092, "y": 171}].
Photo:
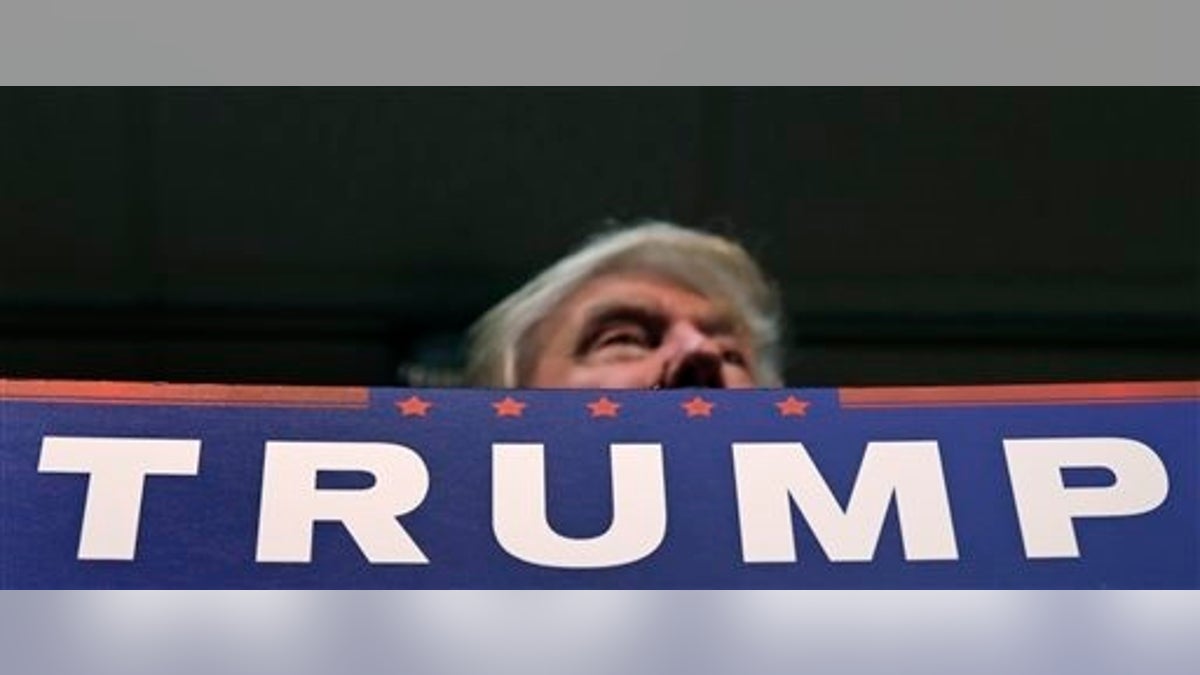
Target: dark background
[{"x": 344, "y": 235}]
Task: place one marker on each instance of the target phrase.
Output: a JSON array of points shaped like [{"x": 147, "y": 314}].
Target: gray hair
[{"x": 501, "y": 346}]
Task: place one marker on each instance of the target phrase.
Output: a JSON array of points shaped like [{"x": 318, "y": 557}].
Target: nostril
[{"x": 699, "y": 369}]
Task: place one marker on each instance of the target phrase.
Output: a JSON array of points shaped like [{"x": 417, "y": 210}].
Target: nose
[{"x": 692, "y": 359}]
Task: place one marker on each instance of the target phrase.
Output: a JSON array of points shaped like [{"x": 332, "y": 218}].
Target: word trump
[{"x": 772, "y": 482}]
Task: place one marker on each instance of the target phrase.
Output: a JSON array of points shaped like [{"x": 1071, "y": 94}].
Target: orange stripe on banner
[
  {"x": 161, "y": 393},
  {"x": 1018, "y": 394}
]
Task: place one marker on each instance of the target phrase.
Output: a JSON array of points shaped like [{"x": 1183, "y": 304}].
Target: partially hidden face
[{"x": 623, "y": 331}]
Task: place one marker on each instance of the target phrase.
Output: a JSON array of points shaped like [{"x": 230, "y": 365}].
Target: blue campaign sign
[{"x": 136, "y": 485}]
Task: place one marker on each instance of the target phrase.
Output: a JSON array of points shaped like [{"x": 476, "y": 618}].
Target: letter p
[{"x": 1046, "y": 508}]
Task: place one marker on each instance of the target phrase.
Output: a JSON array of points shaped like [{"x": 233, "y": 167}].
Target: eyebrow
[
  {"x": 650, "y": 314},
  {"x": 722, "y": 322}
]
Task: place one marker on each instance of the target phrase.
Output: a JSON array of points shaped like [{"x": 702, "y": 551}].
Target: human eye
[
  {"x": 621, "y": 333},
  {"x": 734, "y": 351},
  {"x": 734, "y": 357},
  {"x": 628, "y": 335}
]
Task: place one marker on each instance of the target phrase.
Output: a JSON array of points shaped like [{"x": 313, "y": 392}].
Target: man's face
[{"x": 635, "y": 331}]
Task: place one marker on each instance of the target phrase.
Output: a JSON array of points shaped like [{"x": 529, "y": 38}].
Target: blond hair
[{"x": 501, "y": 348}]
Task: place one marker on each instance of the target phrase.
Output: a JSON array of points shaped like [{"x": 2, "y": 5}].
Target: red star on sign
[
  {"x": 413, "y": 406},
  {"x": 604, "y": 407},
  {"x": 698, "y": 407},
  {"x": 509, "y": 407},
  {"x": 792, "y": 407}
]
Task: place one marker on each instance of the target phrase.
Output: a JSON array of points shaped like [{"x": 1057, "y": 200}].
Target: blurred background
[{"x": 349, "y": 236}]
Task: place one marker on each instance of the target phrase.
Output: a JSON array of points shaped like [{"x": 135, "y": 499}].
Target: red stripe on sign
[
  {"x": 161, "y": 393},
  {"x": 1018, "y": 394}
]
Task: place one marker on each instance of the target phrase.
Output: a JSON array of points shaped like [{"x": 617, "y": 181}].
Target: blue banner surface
[{"x": 137, "y": 485}]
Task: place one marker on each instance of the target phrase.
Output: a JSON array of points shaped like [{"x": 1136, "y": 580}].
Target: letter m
[{"x": 771, "y": 477}]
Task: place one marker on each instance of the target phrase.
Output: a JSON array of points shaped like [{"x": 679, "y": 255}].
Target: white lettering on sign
[
  {"x": 117, "y": 470},
  {"x": 519, "y": 520},
  {"x": 769, "y": 480},
  {"x": 770, "y": 477},
  {"x": 291, "y": 502},
  {"x": 1046, "y": 508}
]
